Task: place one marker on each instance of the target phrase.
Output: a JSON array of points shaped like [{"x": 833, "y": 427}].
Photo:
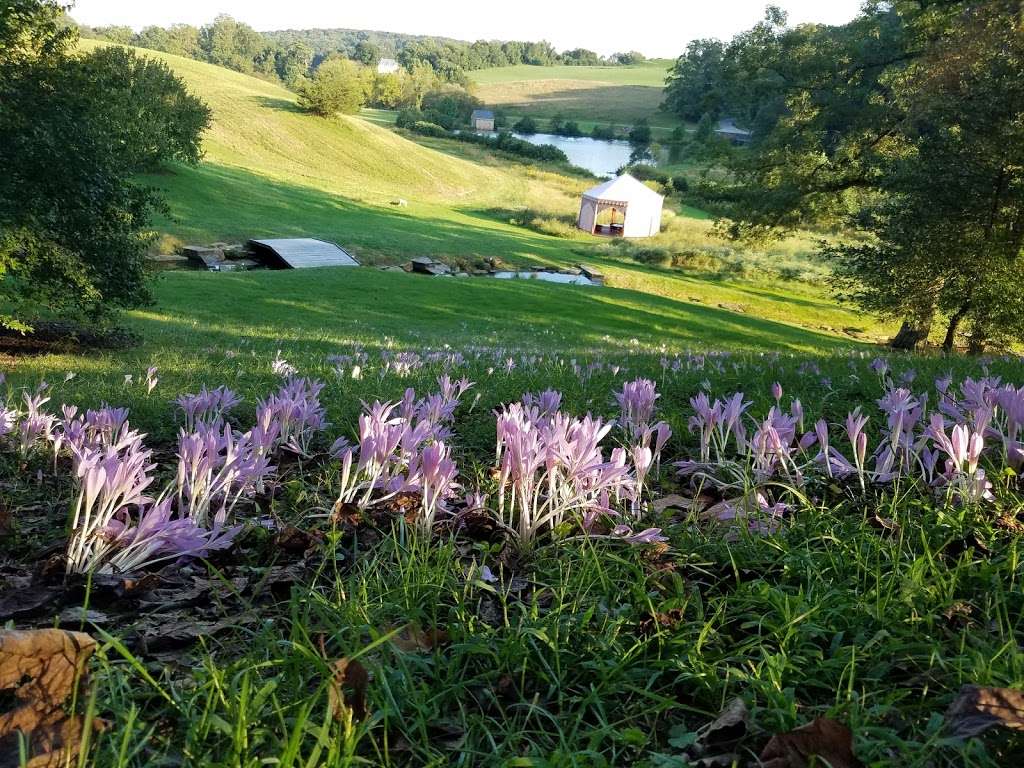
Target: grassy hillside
[
  {"x": 607, "y": 95},
  {"x": 271, "y": 170}
]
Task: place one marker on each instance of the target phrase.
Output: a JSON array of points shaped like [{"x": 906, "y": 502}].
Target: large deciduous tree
[
  {"x": 904, "y": 126},
  {"x": 74, "y": 131}
]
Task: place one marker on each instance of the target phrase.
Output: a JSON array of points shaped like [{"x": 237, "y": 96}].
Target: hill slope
[{"x": 272, "y": 170}]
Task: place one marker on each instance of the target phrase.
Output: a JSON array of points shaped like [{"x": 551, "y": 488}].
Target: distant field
[
  {"x": 608, "y": 95},
  {"x": 651, "y": 74}
]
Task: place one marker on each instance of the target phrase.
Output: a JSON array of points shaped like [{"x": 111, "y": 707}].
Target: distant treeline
[{"x": 290, "y": 55}]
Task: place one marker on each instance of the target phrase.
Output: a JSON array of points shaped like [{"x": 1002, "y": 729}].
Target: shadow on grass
[
  {"x": 214, "y": 202},
  {"x": 326, "y": 308},
  {"x": 283, "y": 105}
]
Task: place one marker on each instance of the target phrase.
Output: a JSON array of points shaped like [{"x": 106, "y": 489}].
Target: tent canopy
[{"x": 639, "y": 204}]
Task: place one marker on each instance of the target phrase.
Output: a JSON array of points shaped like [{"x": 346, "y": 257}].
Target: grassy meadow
[
  {"x": 331, "y": 634},
  {"x": 272, "y": 171},
  {"x": 615, "y": 96}
]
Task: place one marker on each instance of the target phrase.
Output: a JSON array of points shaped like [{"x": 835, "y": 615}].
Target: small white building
[
  {"x": 482, "y": 120},
  {"x": 728, "y": 130},
  {"x": 634, "y": 209},
  {"x": 387, "y": 67}
]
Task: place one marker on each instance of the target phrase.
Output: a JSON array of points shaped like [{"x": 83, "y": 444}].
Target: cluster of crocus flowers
[
  {"x": 552, "y": 467},
  {"x": 940, "y": 449},
  {"x": 116, "y": 525},
  {"x": 208, "y": 406},
  {"x": 402, "y": 450},
  {"x": 295, "y": 409}
]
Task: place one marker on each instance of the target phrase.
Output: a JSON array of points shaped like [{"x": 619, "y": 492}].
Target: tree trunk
[
  {"x": 913, "y": 331},
  {"x": 976, "y": 341},
  {"x": 954, "y": 323}
]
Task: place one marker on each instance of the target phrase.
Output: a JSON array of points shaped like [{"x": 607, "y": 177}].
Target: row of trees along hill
[
  {"x": 291, "y": 55},
  {"x": 902, "y": 131},
  {"x": 76, "y": 129}
]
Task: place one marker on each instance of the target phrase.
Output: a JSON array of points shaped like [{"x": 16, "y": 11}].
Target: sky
[{"x": 654, "y": 27}]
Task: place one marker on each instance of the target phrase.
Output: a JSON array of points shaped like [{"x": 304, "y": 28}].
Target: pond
[
  {"x": 602, "y": 157},
  {"x": 548, "y": 277}
]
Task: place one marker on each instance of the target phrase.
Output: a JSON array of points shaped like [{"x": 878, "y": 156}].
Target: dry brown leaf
[
  {"x": 346, "y": 691},
  {"x": 296, "y": 540},
  {"x": 43, "y": 667},
  {"x": 412, "y": 638},
  {"x": 820, "y": 742},
  {"x": 675, "y": 501},
  {"x": 728, "y": 728},
  {"x": 976, "y": 709},
  {"x": 661, "y": 620},
  {"x": 727, "y": 509},
  {"x": 884, "y": 523}
]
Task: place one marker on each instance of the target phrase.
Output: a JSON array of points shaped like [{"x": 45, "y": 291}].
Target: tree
[
  {"x": 387, "y": 90},
  {"x": 525, "y": 125},
  {"x": 293, "y": 63},
  {"x": 183, "y": 40},
  {"x": 695, "y": 84},
  {"x": 581, "y": 57},
  {"x": 914, "y": 142},
  {"x": 366, "y": 53},
  {"x": 338, "y": 85},
  {"x": 453, "y": 103},
  {"x": 540, "y": 54},
  {"x": 640, "y": 133},
  {"x": 231, "y": 44},
  {"x": 74, "y": 225},
  {"x": 629, "y": 58}
]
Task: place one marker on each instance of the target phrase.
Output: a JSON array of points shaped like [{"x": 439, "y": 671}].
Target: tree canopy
[
  {"x": 903, "y": 128},
  {"x": 75, "y": 130}
]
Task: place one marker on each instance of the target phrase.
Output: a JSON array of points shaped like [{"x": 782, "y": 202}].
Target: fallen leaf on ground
[
  {"x": 159, "y": 632},
  {"x": 675, "y": 501},
  {"x": 661, "y": 620},
  {"x": 820, "y": 742},
  {"x": 729, "y": 509},
  {"x": 29, "y": 601},
  {"x": 412, "y": 638},
  {"x": 43, "y": 667},
  {"x": 296, "y": 540},
  {"x": 977, "y": 708},
  {"x": 728, "y": 728},
  {"x": 350, "y": 675}
]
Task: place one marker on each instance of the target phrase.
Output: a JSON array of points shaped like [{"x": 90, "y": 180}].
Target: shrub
[
  {"x": 680, "y": 184},
  {"x": 525, "y": 125},
  {"x": 571, "y": 128},
  {"x": 640, "y": 133},
  {"x": 603, "y": 132},
  {"x": 426, "y": 128},
  {"x": 339, "y": 85},
  {"x": 407, "y": 117}
]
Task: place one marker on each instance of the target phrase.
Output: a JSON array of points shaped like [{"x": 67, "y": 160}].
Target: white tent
[{"x": 638, "y": 205}]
